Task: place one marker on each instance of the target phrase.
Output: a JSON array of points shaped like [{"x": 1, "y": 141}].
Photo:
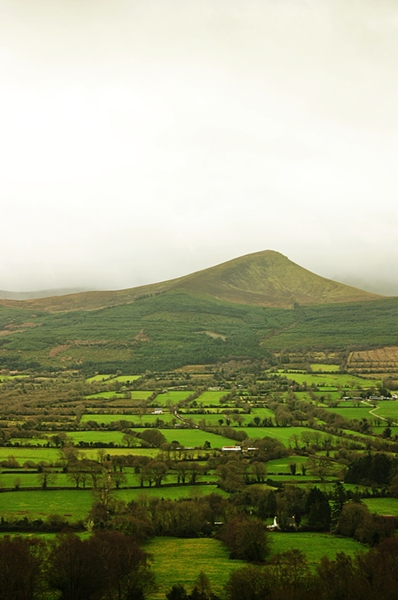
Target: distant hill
[{"x": 261, "y": 279}]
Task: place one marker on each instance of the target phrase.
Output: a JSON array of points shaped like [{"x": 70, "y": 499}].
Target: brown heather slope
[{"x": 264, "y": 279}]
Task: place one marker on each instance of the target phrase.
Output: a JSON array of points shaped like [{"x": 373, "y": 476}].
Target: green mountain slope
[
  {"x": 248, "y": 308},
  {"x": 268, "y": 279},
  {"x": 262, "y": 279}
]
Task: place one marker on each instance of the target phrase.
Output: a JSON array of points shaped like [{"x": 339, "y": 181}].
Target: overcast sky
[{"x": 142, "y": 140}]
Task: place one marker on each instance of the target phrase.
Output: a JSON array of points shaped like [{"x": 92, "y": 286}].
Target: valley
[{"x": 253, "y": 400}]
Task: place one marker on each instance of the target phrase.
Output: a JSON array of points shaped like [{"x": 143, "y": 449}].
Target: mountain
[
  {"x": 261, "y": 279},
  {"x": 258, "y": 307}
]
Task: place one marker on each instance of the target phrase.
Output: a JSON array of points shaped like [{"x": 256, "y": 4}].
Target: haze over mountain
[
  {"x": 7, "y": 295},
  {"x": 192, "y": 132},
  {"x": 264, "y": 279}
]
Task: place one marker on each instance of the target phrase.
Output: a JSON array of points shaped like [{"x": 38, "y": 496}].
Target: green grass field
[
  {"x": 387, "y": 409},
  {"x": 281, "y": 465},
  {"x": 349, "y": 413},
  {"x": 210, "y": 398},
  {"x": 126, "y": 378},
  {"x": 379, "y": 429},
  {"x": 23, "y": 454},
  {"x": 382, "y": 506},
  {"x": 314, "y": 545},
  {"x": 104, "y": 437},
  {"x": 32, "y": 480},
  {"x": 75, "y": 504},
  {"x": 195, "y": 438},
  {"x": 173, "y": 397},
  {"x": 283, "y": 434},
  {"x": 51, "y": 455},
  {"x": 169, "y": 493},
  {"x": 211, "y": 419},
  {"x": 181, "y": 560}
]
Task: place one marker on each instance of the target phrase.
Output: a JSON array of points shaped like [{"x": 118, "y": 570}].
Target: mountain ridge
[{"x": 266, "y": 278}]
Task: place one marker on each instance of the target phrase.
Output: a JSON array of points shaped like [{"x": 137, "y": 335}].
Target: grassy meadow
[{"x": 180, "y": 561}]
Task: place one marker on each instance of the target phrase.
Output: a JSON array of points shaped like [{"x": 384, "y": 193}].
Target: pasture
[
  {"x": 53, "y": 456},
  {"x": 282, "y": 434},
  {"x": 72, "y": 504},
  {"x": 281, "y": 465},
  {"x": 75, "y": 505},
  {"x": 210, "y": 419},
  {"x": 126, "y": 378},
  {"x": 314, "y": 545},
  {"x": 387, "y": 409},
  {"x": 181, "y": 560},
  {"x": 382, "y": 506},
  {"x": 101, "y": 437},
  {"x": 349, "y": 412},
  {"x": 322, "y": 367},
  {"x": 37, "y": 454},
  {"x": 170, "y": 397},
  {"x": 210, "y": 398},
  {"x": 195, "y": 438}
]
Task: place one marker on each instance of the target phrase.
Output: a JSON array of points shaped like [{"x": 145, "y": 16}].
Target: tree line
[{"x": 108, "y": 565}]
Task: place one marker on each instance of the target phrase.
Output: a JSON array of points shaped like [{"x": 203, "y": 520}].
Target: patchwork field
[
  {"x": 75, "y": 505},
  {"x": 330, "y": 379},
  {"x": 212, "y": 417},
  {"x": 181, "y": 559},
  {"x": 52, "y": 455}
]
